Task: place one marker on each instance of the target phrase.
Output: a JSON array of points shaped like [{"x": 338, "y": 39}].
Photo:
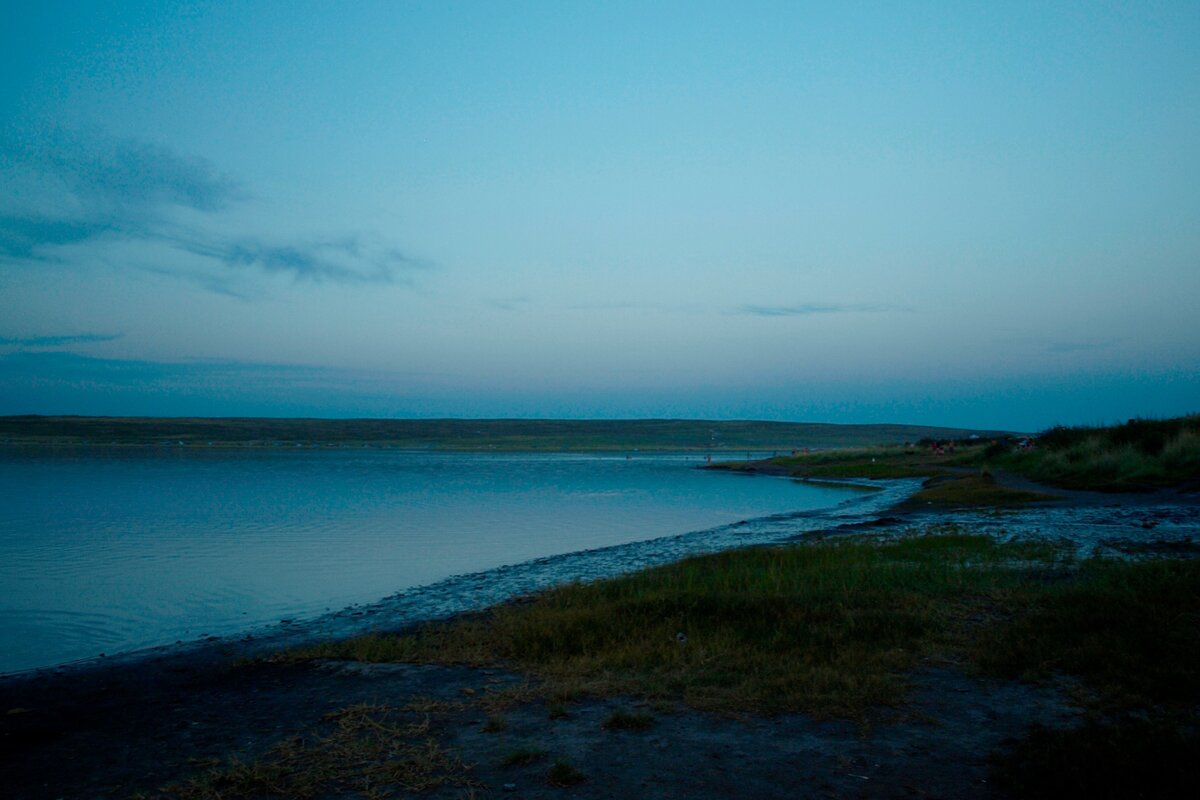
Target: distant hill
[{"x": 522, "y": 435}]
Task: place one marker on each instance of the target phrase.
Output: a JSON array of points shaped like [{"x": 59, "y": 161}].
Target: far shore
[{"x": 464, "y": 435}]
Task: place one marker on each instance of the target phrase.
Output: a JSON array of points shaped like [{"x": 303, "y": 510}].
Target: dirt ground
[{"x": 116, "y": 731}]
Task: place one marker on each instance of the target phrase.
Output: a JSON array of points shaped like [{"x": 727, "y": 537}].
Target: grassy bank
[
  {"x": 831, "y": 628},
  {"x": 957, "y": 477},
  {"x": 1138, "y": 455}
]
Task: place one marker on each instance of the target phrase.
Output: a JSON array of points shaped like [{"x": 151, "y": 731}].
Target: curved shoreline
[{"x": 474, "y": 591}]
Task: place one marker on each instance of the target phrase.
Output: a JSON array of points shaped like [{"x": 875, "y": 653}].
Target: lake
[{"x": 106, "y": 550}]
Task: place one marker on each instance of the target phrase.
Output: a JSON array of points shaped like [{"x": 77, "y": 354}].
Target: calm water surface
[{"x": 113, "y": 550}]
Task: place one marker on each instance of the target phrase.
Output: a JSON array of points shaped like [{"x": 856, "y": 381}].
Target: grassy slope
[
  {"x": 1139, "y": 454},
  {"x": 465, "y": 434}
]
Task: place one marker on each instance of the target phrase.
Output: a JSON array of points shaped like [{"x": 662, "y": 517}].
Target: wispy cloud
[
  {"x": 516, "y": 303},
  {"x": 350, "y": 259},
  {"x": 810, "y": 309},
  {"x": 128, "y": 173},
  {"x": 78, "y": 191},
  {"x": 25, "y": 238},
  {"x": 58, "y": 341}
]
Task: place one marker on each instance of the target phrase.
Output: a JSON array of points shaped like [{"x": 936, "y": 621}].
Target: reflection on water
[{"x": 110, "y": 550}]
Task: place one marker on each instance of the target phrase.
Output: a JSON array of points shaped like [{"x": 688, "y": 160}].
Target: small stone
[{"x": 510, "y": 787}]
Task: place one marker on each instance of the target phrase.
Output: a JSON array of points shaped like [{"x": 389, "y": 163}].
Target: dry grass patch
[{"x": 373, "y": 751}]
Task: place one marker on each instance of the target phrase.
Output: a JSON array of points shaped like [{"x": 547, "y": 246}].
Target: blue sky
[{"x": 944, "y": 213}]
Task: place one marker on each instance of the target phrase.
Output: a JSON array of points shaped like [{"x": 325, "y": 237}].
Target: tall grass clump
[
  {"x": 1138, "y": 454},
  {"x": 1131, "y": 630}
]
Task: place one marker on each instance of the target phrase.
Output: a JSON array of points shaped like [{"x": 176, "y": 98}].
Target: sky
[{"x": 972, "y": 214}]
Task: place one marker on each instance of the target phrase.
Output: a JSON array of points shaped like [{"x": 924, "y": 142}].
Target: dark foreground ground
[
  {"x": 131, "y": 729},
  {"x": 112, "y": 733}
]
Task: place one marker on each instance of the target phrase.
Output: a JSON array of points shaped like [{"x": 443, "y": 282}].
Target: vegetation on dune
[{"x": 1139, "y": 454}]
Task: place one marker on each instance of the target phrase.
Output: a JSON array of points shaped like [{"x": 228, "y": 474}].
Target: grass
[
  {"x": 1139, "y": 454},
  {"x": 564, "y": 773},
  {"x": 495, "y": 723},
  {"x": 831, "y": 628},
  {"x": 896, "y": 461},
  {"x": 1131, "y": 630},
  {"x": 372, "y": 751},
  {"x": 975, "y": 490},
  {"x": 827, "y": 628},
  {"x": 1135, "y": 758},
  {"x": 520, "y": 756}
]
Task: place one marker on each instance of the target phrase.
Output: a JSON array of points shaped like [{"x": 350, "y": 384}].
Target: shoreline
[
  {"x": 141, "y": 722},
  {"x": 474, "y": 591}
]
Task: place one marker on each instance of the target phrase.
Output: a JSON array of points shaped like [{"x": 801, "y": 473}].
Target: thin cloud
[
  {"x": 132, "y": 174},
  {"x": 23, "y": 238},
  {"x": 349, "y": 259},
  {"x": 58, "y": 341},
  {"x": 79, "y": 191},
  {"x": 811, "y": 309}
]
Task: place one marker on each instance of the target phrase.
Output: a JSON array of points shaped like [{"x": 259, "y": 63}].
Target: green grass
[
  {"x": 564, "y": 773},
  {"x": 894, "y": 461},
  {"x": 977, "y": 490},
  {"x": 494, "y": 724},
  {"x": 831, "y": 628},
  {"x": 520, "y": 756},
  {"x": 828, "y": 628},
  {"x": 1139, "y": 454},
  {"x": 1131, "y": 630}
]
